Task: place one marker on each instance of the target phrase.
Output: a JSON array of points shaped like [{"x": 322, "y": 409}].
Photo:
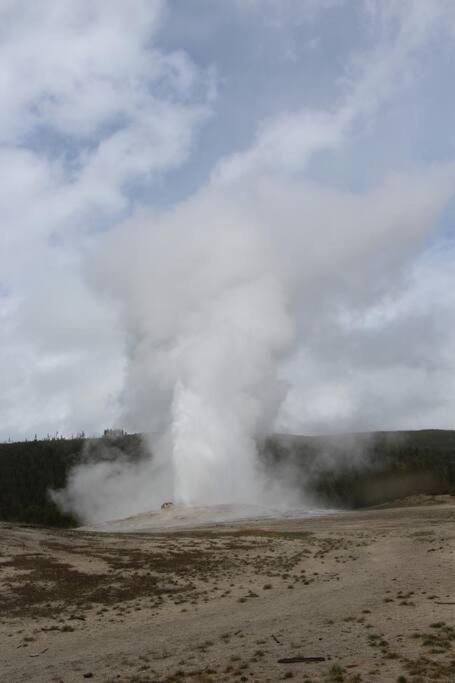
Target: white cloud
[
  {"x": 373, "y": 77},
  {"x": 89, "y": 107},
  {"x": 284, "y": 144},
  {"x": 382, "y": 363},
  {"x": 75, "y": 66}
]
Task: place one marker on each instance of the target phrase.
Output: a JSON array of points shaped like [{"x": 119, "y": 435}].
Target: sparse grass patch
[{"x": 335, "y": 674}]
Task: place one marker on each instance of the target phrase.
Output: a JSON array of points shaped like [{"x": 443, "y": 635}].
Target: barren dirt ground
[{"x": 372, "y": 594}]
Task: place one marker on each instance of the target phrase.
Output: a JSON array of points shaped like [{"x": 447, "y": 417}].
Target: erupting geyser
[
  {"x": 206, "y": 311},
  {"x": 211, "y": 295}
]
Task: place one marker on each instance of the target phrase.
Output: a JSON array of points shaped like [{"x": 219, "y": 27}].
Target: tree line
[{"x": 348, "y": 471}]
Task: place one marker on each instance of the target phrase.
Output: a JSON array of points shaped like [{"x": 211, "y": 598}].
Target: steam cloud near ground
[{"x": 215, "y": 296}]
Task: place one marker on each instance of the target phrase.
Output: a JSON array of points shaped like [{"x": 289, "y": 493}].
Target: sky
[{"x": 328, "y": 124}]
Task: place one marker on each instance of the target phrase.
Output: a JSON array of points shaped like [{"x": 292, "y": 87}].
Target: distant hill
[{"x": 345, "y": 470}]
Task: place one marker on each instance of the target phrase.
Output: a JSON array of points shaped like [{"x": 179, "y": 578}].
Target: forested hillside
[
  {"x": 357, "y": 470},
  {"x": 29, "y": 469},
  {"x": 346, "y": 471}
]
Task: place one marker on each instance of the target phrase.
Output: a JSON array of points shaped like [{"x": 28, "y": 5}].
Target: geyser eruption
[
  {"x": 226, "y": 392},
  {"x": 211, "y": 295},
  {"x": 205, "y": 305},
  {"x": 208, "y": 318}
]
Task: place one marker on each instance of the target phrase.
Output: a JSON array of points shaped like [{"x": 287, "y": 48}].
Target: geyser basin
[{"x": 196, "y": 516}]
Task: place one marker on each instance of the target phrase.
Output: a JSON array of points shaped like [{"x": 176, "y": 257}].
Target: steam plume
[{"x": 213, "y": 296}]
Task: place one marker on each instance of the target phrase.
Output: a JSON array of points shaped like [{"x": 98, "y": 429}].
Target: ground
[{"x": 372, "y": 594}]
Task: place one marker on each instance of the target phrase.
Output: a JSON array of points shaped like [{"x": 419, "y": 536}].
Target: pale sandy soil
[{"x": 373, "y": 593}]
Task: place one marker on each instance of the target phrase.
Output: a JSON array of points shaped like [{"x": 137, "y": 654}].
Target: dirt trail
[{"x": 373, "y": 593}]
